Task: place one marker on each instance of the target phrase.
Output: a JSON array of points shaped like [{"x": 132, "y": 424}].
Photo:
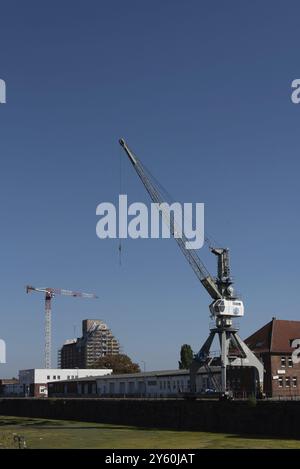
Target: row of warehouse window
[
  {"x": 286, "y": 361},
  {"x": 168, "y": 384},
  {"x": 163, "y": 385},
  {"x": 287, "y": 381},
  {"x": 54, "y": 377}
]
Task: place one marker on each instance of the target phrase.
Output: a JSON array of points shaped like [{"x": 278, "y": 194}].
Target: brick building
[
  {"x": 275, "y": 345},
  {"x": 97, "y": 341}
]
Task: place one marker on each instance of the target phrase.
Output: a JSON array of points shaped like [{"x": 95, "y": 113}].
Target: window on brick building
[
  {"x": 283, "y": 362},
  {"x": 280, "y": 382},
  {"x": 294, "y": 381},
  {"x": 287, "y": 382},
  {"x": 290, "y": 362}
]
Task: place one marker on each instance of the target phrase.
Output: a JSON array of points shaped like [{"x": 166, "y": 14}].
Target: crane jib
[{"x": 191, "y": 255}]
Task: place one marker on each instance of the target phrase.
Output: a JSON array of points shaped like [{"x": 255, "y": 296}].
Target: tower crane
[
  {"x": 49, "y": 294},
  {"x": 225, "y": 305}
]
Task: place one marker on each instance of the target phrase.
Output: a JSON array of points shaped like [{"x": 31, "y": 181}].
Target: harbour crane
[
  {"x": 49, "y": 294},
  {"x": 225, "y": 305}
]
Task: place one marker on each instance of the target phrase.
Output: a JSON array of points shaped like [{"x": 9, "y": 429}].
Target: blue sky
[{"x": 201, "y": 92}]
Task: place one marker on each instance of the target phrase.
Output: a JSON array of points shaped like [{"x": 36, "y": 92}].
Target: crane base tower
[{"x": 234, "y": 352}]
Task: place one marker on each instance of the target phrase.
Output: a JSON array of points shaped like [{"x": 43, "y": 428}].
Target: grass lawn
[{"x": 40, "y": 433}]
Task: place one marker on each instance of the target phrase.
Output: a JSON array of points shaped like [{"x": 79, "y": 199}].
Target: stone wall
[{"x": 243, "y": 417}]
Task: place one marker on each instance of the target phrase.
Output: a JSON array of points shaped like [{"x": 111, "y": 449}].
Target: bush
[{"x": 252, "y": 401}]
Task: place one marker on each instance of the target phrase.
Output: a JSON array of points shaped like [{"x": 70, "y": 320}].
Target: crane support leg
[
  {"x": 199, "y": 360},
  {"x": 224, "y": 338},
  {"x": 248, "y": 359},
  {"x": 227, "y": 335}
]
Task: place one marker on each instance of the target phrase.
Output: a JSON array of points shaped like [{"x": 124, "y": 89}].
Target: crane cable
[{"x": 120, "y": 192}]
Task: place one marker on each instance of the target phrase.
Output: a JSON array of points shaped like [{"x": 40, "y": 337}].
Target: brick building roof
[{"x": 276, "y": 336}]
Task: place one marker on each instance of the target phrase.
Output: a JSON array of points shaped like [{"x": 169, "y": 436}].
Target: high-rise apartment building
[{"x": 97, "y": 341}]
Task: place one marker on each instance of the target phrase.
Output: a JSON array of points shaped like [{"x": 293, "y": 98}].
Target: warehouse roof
[
  {"x": 146, "y": 374},
  {"x": 157, "y": 373}
]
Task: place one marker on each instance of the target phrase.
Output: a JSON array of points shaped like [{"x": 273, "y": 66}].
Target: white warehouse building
[
  {"x": 155, "y": 383},
  {"x": 35, "y": 381},
  {"x": 148, "y": 384}
]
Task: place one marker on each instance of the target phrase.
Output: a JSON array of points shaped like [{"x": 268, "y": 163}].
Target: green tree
[
  {"x": 118, "y": 363},
  {"x": 186, "y": 357}
]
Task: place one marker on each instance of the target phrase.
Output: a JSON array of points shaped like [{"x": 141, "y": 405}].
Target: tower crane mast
[{"x": 49, "y": 294}]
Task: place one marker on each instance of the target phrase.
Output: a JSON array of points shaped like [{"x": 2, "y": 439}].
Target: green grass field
[{"x": 40, "y": 433}]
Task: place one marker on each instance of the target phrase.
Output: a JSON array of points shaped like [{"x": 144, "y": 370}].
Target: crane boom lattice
[{"x": 190, "y": 254}]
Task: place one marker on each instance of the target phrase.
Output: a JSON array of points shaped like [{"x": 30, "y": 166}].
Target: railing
[{"x": 235, "y": 323}]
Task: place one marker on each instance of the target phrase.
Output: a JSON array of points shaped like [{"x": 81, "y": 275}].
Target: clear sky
[{"x": 201, "y": 92}]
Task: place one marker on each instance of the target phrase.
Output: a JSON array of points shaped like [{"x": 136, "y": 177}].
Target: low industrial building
[
  {"x": 148, "y": 384},
  {"x": 34, "y": 382},
  {"x": 157, "y": 384}
]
